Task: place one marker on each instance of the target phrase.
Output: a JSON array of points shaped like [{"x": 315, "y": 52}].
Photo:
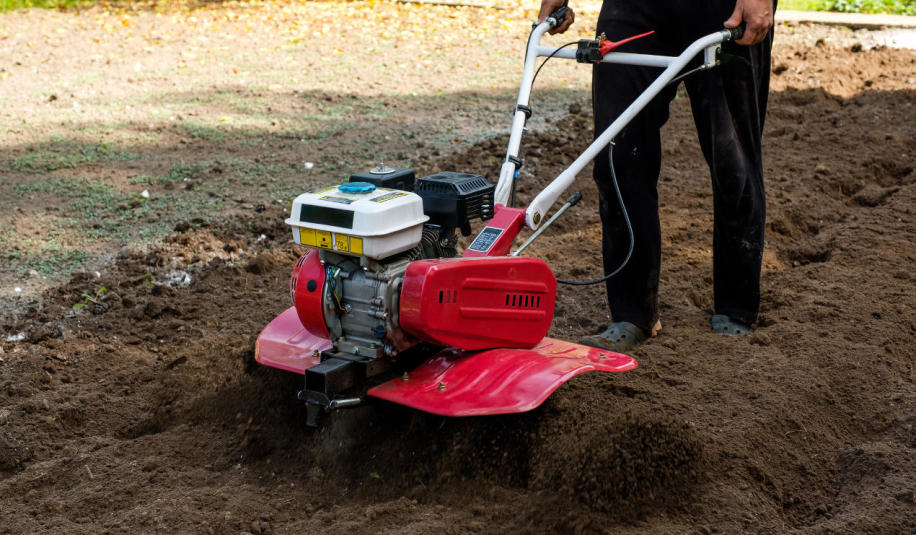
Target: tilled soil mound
[{"x": 133, "y": 402}]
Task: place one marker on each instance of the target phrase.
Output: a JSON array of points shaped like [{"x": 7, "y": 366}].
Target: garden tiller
[{"x": 384, "y": 304}]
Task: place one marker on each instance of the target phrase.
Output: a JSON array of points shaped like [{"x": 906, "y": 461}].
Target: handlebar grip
[
  {"x": 736, "y": 33},
  {"x": 558, "y": 15}
]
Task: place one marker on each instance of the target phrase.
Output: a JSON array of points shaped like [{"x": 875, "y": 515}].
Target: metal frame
[{"x": 672, "y": 65}]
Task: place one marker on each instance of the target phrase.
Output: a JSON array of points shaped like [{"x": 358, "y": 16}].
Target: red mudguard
[
  {"x": 496, "y": 381},
  {"x": 287, "y": 345}
]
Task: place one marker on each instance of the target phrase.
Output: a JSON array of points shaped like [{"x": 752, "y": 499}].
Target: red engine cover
[
  {"x": 478, "y": 303},
  {"x": 306, "y": 288}
]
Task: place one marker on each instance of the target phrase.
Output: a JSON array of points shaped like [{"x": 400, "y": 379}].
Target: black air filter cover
[
  {"x": 454, "y": 199},
  {"x": 387, "y": 177}
]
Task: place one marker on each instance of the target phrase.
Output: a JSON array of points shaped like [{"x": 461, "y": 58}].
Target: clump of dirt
[
  {"x": 649, "y": 462},
  {"x": 139, "y": 407}
]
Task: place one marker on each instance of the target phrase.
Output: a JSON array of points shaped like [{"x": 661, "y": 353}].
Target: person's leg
[
  {"x": 633, "y": 293},
  {"x": 729, "y": 104}
]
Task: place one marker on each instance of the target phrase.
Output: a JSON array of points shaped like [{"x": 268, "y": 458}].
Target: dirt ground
[{"x": 139, "y": 408}]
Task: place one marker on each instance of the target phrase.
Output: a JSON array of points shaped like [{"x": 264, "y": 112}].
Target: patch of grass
[
  {"x": 49, "y": 258},
  {"x": 54, "y": 263},
  {"x": 180, "y": 172},
  {"x": 92, "y": 198},
  {"x": 100, "y": 211},
  {"x": 61, "y": 154},
  {"x": 253, "y": 173},
  {"x": 333, "y": 129},
  {"x": 185, "y": 171},
  {"x": 10, "y": 5},
  {"x": 897, "y": 7},
  {"x": 801, "y": 5},
  {"x": 200, "y": 131}
]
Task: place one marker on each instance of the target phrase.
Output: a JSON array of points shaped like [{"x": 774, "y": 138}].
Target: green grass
[
  {"x": 200, "y": 131},
  {"x": 61, "y": 154},
  {"x": 47, "y": 256},
  {"x": 10, "y": 5},
  {"x": 899, "y": 7},
  {"x": 99, "y": 211},
  {"x": 896, "y": 7},
  {"x": 801, "y": 5},
  {"x": 55, "y": 262}
]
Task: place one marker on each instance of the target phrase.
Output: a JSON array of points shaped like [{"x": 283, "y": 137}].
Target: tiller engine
[{"x": 384, "y": 304}]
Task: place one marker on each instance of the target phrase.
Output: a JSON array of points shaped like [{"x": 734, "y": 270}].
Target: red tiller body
[
  {"x": 478, "y": 303},
  {"x": 497, "y": 237}
]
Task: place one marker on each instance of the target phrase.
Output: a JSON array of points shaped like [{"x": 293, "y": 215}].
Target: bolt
[
  {"x": 441, "y": 387},
  {"x": 601, "y": 356},
  {"x": 405, "y": 377}
]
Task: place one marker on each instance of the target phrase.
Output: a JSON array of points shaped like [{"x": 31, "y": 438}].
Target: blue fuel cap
[{"x": 357, "y": 187}]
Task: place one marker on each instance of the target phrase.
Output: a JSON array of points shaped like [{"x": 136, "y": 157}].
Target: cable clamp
[
  {"x": 524, "y": 109},
  {"x": 516, "y": 161}
]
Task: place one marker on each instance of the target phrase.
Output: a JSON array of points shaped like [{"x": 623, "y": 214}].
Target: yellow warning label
[
  {"x": 356, "y": 245},
  {"x": 307, "y": 237},
  {"x": 342, "y": 242},
  {"x": 325, "y": 241}
]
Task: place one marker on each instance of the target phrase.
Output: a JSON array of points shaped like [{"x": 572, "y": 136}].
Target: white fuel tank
[{"x": 358, "y": 219}]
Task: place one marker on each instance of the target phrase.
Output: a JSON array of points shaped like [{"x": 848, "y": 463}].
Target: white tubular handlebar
[
  {"x": 626, "y": 58},
  {"x": 507, "y": 173},
  {"x": 673, "y": 65}
]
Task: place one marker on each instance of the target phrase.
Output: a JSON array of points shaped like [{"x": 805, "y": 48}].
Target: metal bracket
[{"x": 711, "y": 56}]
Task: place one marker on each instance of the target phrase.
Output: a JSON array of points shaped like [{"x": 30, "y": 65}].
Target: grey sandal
[
  {"x": 620, "y": 336},
  {"x": 722, "y": 324}
]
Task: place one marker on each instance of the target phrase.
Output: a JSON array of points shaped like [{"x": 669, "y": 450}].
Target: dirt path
[{"x": 143, "y": 411}]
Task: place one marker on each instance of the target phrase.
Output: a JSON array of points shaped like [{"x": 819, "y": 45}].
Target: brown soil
[{"x": 143, "y": 411}]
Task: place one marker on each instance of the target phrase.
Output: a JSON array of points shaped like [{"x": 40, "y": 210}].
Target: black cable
[
  {"x": 626, "y": 218},
  {"x": 552, "y": 54},
  {"x": 686, "y": 74}
]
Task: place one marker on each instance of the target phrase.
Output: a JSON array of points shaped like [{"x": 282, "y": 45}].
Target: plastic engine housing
[{"x": 478, "y": 303}]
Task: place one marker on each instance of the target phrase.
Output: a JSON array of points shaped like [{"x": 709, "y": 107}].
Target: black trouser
[{"x": 729, "y": 104}]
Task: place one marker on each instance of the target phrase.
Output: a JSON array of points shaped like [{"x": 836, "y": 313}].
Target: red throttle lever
[
  {"x": 593, "y": 50},
  {"x": 606, "y": 45}
]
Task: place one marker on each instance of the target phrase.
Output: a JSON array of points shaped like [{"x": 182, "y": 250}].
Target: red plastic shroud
[{"x": 478, "y": 303}]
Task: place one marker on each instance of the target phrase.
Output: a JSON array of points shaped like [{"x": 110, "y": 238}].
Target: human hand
[
  {"x": 757, "y": 15},
  {"x": 548, "y": 7}
]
